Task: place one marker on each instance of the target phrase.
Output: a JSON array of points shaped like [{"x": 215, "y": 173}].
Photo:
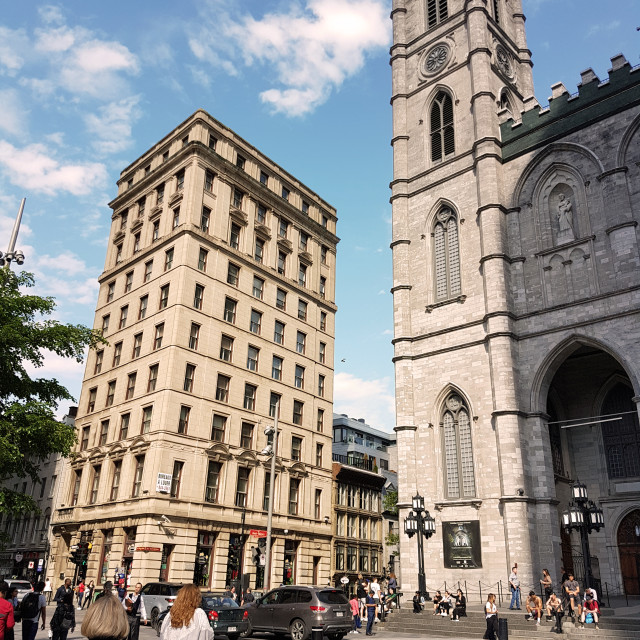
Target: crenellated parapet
[{"x": 594, "y": 101}]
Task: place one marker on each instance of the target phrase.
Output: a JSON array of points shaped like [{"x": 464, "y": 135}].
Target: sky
[{"x": 87, "y": 87}]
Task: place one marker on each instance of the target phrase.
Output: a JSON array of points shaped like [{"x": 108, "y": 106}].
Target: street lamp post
[
  {"x": 12, "y": 254},
  {"x": 271, "y": 449},
  {"x": 421, "y": 522},
  {"x": 584, "y": 516}
]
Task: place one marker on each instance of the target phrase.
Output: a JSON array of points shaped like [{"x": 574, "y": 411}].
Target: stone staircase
[{"x": 474, "y": 625}]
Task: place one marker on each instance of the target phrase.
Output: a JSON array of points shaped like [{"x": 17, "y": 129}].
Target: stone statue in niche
[{"x": 564, "y": 217}]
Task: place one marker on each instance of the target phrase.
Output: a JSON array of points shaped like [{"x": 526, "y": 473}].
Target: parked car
[
  {"x": 23, "y": 587},
  {"x": 297, "y": 610},
  {"x": 158, "y": 597}
]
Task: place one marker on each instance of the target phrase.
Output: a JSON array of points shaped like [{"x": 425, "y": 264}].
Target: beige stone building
[
  {"x": 516, "y": 299},
  {"x": 217, "y": 300}
]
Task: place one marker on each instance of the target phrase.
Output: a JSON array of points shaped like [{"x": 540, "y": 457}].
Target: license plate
[
  {"x": 232, "y": 629},
  {"x": 340, "y": 614}
]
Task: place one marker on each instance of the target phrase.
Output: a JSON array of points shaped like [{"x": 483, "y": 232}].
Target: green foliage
[
  {"x": 392, "y": 539},
  {"x": 29, "y": 431},
  {"x": 390, "y": 502}
]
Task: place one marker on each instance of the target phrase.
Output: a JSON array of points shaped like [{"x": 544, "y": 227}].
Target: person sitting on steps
[
  {"x": 534, "y": 607},
  {"x": 437, "y": 599},
  {"x": 590, "y": 606},
  {"x": 554, "y": 608}
]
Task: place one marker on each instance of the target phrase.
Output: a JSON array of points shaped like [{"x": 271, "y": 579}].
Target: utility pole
[{"x": 272, "y": 482}]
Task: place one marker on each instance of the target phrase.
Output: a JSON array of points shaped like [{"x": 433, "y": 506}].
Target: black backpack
[{"x": 30, "y": 606}]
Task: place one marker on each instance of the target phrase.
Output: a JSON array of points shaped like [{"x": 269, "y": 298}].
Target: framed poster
[{"x": 462, "y": 547}]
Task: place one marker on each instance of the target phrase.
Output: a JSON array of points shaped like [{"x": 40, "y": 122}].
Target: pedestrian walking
[
  {"x": 105, "y": 618},
  {"x": 88, "y": 596},
  {"x": 80, "y": 589},
  {"x": 107, "y": 590},
  {"x": 136, "y": 611},
  {"x": 355, "y": 611},
  {"x": 186, "y": 620},
  {"x": 491, "y": 614},
  {"x": 48, "y": 590},
  {"x": 371, "y": 613},
  {"x": 33, "y": 608},
  {"x": 7, "y": 620},
  {"x": 64, "y": 618},
  {"x": 62, "y": 589}
]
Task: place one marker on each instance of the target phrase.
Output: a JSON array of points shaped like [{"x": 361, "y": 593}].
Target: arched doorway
[{"x": 629, "y": 547}]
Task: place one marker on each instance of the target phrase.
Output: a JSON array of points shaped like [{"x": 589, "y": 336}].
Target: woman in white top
[
  {"x": 186, "y": 620},
  {"x": 491, "y": 613}
]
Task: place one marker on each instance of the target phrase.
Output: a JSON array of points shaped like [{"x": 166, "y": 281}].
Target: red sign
[
  {"x": 258, "y": 533},
  {"x": 148, "y": 549}
]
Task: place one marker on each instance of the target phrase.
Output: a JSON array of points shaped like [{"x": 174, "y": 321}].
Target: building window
[
  {"x": 352, "y": 558},
  {"x": 364, "y": 528},
  {"x": 246, "y": 436},
  {"x": 202, "y": 259},
  {"x": 180, "y": 180},
  {"x": 137, "y": 477},
  {"x": 198, "y": 297},
  {"x": 296, "y": 448},
  {"x": 164, "y": 296},
  {"x": 267, "y": 491},
  {"x": 301, "y": 341},
  {"x": 250, "y": 391},
  {"x": 147, "y": 413},
  {"x": 208, "y": 180},
  {"x": 302, "y": 275},
  {"x": 437, "y": 11},
  {"x": 137, "y": 346},
  {"x": 621, "y": 438},
  {"x": 261, "y": 213},
  {"x": 302, "y": 310},
  {"x": 142, "y": 310},
  {"x": 323, "y": 254},
  {"x": 217, "y": 428},
  {"x": 111, "y": 288},
  {"x": 212, "y": 142},
  {"x": 242, "y": 487},
  {"x": 168, "y": 259},
  {"x": 282, "y": 262},
  {"x": 148, "y": 270},
  {"x": 160, "y": 194},
  {"x": 240, "y": 161},
  {"x": 233, "y": 274},
  {"x": 105, "y": 324},
  {"x": 128, "y": 282},
  {"x": 136, "y": 242},
  {"x": 320, "y": 421},
  {"x": 194, "y": 335},
  {"x": 294, "y": 490},
  {"x": 185, "y": 141},
  {"x": 264, "y": 178},
  {"x": 176, "y": 478},
  {"x": 158, "y": 335},
  {"x": 222, "y": 388},
  {"x": 442, "y": 135},
  {"x": 276, "y": 368},
  {"x": 234, "y": 236},
  {"x": 323, "y": 286},
  {"x": 119, "y": 253},
  {"x": 318, "y": 455},
  {"x": 189, "y": 375},
  {"x": 131, "y": 386},
  {"x": 323, "y": 321},
  {"x": 153, "y": 378},
  {"x": 98, "y": 365},
  {"x": 230, "y": 310},
  {"x": 278, "y": 332},
  {"x": 285, "y": 193},
  {"x": 124, "y": 426},
  {"x": 84, "y": 442},
  {"x": 176, "y": 218},
  {"x": 281, "y": 299},
  {"x": 258, "y": 252},
  {"x": 283, "y": 228},
  {"x": 75, "y": 492},
  {"x": 364, "y": 560},
  {"x": 117, "y": 353},
  {"x": 95, "y": 485},
  {"x": 458, "y": 451},
  {"x": 321, "y": 385},
  {"x": 446, "y": 255},
  {"x": 339, "y": 557},
  {"x": 226, "y": 348},
  {"x": 274, "y": 401},
  {"x": 305, "y": 207},
  {"x": 258, "y": 287},
  {"x": 115, "y": 480},
  {"x": 322, "y": 353},
  {"x": 124, "y": 312},
  {"x": 317, "y": 504},
  {"x": 111, "y": 392},
  {"x": 299, "y": 377},
  {"x": 213, "y": 481},
  {"x": 256, "y": 322},
  {"x": 297, "y": 412},
  {"x": 252, "y": 358},
  {"x": 304, "y": 241},
  {"x": 205, "y": 217},
  {"x": 183, "y": 421}
]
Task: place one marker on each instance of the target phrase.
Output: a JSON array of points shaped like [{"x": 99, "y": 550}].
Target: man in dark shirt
[
  {"x": 371, "y": 612},
  {"x": 63, "y": 590}
]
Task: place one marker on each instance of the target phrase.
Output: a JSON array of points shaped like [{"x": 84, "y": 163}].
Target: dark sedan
[{"x": 225, "y": 616}]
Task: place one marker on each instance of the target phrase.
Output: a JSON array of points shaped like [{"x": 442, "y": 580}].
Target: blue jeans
[
  {"x": 515, "y": 598},
  {"x": 370, "y": 619},
  {"x": 29, "y": 629}
]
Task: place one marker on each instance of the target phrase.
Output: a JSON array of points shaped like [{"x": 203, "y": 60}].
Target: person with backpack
[
  {"x": 64, "y": 618},
  {"x": 7, "y": 621},
  {"x": 32, "y": 608}
]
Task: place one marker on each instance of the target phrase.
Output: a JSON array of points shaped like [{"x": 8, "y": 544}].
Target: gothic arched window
[
  {"x": 621, "y": 437},
  {"x": 437, "y": 11},
  {"x": 441, "y": 119},
  {"x": 446, "y": 252},
  {"x": 505, "y": 103},
  {"x": 458, "y": 451}
]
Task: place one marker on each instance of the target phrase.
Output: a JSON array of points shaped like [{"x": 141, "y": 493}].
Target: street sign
[
  {"x": 163, "y": 483},
  {"x": 73, "y": 547},
  {"x": 257, "y": 533},
  {"x": 31, "y": 565},
  {"x": 148, "y": 549},
  {"x": 19, "y": 557},
  {"x": 344, "y": 580},
  {"x": 131, "y": 548}
]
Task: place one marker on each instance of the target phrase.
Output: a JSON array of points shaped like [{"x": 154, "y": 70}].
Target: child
[
  {"x": 417, "y": 607},
  {"x": 355, "y": 610}
]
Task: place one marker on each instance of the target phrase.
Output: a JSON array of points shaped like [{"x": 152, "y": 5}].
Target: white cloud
[
  {"x": 111, "y": 126},
  {"x": 34, "y": 167},
  {"x": 51, "y": 14},
  {"x": 13, "y": 44},
  {"x": 599, "y": 28},
  {"x": 13, "y": 113},
  {"x": 372, "y": 400},
  {"x": 311, "y": 51}
]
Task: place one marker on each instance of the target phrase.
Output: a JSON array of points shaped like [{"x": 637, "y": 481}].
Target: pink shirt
[{"x": 355, "y": 607}]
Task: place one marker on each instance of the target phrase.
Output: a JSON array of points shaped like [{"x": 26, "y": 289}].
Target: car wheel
[
  {"x": 247, "y": 632},
  {"x": 155, "y": 612},
  {"x": 298, "y": 630}
]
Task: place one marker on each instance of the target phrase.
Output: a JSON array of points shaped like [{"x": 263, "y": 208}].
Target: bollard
[{"x": 503, "y": 629}]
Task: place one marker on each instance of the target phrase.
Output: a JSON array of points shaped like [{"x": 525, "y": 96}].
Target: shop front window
[
  {"x": 290, "y": 548},
  {"x": 204, "y": 554}
]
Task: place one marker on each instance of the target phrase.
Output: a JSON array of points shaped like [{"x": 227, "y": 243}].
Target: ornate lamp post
[
  {"x": 12, "y": 254},
  {"x": 584, "y": 516},
  {"x": 421, "y": 522}
]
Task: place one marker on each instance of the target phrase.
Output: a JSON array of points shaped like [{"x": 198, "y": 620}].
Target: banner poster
[{"x": 462, "y": 546}]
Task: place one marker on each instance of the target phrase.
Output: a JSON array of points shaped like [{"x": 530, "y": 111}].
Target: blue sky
[{"x": 86, "y": 87}]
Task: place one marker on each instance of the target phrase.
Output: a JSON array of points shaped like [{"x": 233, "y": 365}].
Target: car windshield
[
  {"x": 333, "y": 597},
  {"x": 218, "y": 602}
]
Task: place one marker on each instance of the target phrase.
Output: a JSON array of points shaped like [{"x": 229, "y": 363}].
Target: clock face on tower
[
  {"x": 435, "y": 59},
  {"x": 504, "y": 62}
]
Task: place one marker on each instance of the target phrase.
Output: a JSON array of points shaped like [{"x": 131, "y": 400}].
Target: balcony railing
[{"x": 354, "y": 461}]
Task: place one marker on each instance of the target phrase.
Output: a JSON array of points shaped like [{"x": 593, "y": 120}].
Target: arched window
[
  {"x": 458, "y": 451},
  {"x": 496, "y": 11},
  {"x": 437, "y": 11},
  {"x": 621, "y": 437},
  {"x": 442, "y": 139},
  {"x": 446, "y": 253},
  {"x": 505, "y": 103}
]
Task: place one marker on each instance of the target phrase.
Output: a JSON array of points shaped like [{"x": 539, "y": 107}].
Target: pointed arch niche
[{"x": 445, "y": 248}]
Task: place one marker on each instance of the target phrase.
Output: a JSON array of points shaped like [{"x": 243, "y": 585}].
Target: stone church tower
[{"x": 516, "y": 299}]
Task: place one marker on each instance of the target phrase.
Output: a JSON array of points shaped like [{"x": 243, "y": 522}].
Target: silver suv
[
  {"x": 23, "y": 587},
  {"x": 158, "y": 597},
  {"x": 298, "y": 610}
]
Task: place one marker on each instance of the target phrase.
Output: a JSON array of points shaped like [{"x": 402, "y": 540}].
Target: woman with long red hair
[{"x": 186, "y": 620}]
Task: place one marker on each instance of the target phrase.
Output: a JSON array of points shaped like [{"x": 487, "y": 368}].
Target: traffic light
[{"x": 75, "y": 557}]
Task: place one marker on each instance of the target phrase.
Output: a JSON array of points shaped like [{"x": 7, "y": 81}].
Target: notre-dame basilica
[{"x": 516, "y": 299}]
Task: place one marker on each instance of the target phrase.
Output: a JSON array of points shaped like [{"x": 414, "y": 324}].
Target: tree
[
  {"x": 390, "y": 506},
  {"x": 29, "y": 430}
]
